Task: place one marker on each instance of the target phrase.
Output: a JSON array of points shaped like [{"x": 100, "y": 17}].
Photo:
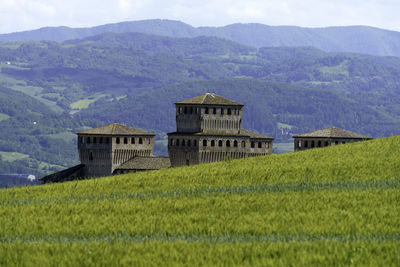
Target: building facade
[
  {"x": 209, "y": 129},
  {"x": 112, "y": 149},
  {"x": 326, "y": 137},
  {"x": 103, "y": 149}
]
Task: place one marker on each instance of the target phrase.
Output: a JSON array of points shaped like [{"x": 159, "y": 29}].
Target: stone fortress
[{"x": 209, "y": 129}]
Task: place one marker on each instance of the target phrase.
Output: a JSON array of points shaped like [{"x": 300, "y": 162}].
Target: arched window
[
  {"x": 222, "y": 111},
  {"x": 326, "y": 143},
  {"x": 312, "y": 143},
  {"x": 214, "y": 111},
  {"x": 185, "y": 110},
  {"x": 235, "y": 143},
  {"x": 229, "y": 111},
  {"x": 267, "y": 144},
  {"x": 140, "y": 140},
  {"x": 243, "y": 143},
  {"x": 319, "y": 143},
  {"x": 125, "y": 140},
  {"x": 80, "y": 140},
  {"x": 88, "y": 140},
  {"x": 183, "y": 142},
  {"x": 177, "y": 142},
  {"x": 252, "y": 144},
  {"x": 133, "y": 140},
  {"x": 100, "y": 140},
  {"x": 117, "y": 140},
  {"x": 306, "y": 143},
  {"x": 94, "y": 140},
  {"x": 206, "y": 111},
  {"x": 191, "y": 110},
  {"x": 171, "y": 142},
  {"x": 91, "y": 156},
  {"x": 298, "y": 143},
  {"x": 220, "y": 143},
  {"x": 204, "y": 142},
  {"x": 188, "y": 143},
  {"x": 259, "y": 145},
  {"x": 180, "y": 110},
  {"x": 195, "y": 143},
  {"x": 228, "y": 143},
  {"x": 212, "y": 143}
]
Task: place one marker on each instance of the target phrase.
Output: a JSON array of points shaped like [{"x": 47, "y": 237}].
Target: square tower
[
  {"x": 103, "y": 149},
  {"x": 209, "y": 128}
]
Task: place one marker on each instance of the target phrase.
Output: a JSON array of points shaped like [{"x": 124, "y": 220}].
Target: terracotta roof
[
  {"x": 209, "y": 99},
  {"x": 333, "y": 132},
  {"x": 116, "y": 129},
  {"x": 145, "y": 163},
  {"x": 254, "y": 135}
]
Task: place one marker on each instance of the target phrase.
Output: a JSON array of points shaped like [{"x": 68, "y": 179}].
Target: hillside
[
  {"x": 357, "y": 39},
  {"x": 329, "y": 206},
  {"x": 135, "y": 78}
]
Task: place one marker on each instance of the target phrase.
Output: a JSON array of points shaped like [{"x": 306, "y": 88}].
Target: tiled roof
[
  {"x": 209, "y": 99},
  {"x": 116, "y": 129},
  {"x": 254, "y": 135},
  {"x": 63, "y": 175},
  {"x": 333, "y": 132},
  {"x": 145, "y": 163}
]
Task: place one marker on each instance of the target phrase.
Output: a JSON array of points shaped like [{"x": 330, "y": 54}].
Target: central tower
[{"x": 209, "y": 128}]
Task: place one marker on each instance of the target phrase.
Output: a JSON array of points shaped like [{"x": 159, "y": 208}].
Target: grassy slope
[{"x": 337, "y": 205}]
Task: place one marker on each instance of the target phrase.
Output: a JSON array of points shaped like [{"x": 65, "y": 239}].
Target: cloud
[{"x": 17, "y": 15}]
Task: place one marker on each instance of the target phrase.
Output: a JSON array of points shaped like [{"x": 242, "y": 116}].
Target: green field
[
  {"x": 4, "y": 117},
  {"x": 12, "y": 156},
  {"x": 331, "y": 206}
]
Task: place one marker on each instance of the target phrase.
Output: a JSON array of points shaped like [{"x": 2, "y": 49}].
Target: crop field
[{"x": 331, "y": 206}]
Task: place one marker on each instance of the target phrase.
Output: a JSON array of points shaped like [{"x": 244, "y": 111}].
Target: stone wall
[
  {"x": 102, "y": 154},
  {"x": 308, "y": 143},
  {"x": 195, "y": 149}
]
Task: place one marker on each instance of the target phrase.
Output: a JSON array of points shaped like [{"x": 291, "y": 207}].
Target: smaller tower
[{"x": 103, "y": 149}]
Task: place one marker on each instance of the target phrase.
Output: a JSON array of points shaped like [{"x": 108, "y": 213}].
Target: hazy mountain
[{"x": 358, "y": 39}]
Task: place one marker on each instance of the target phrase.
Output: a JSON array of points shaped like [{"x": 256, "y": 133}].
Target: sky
[{"x": 21, "y": 15}]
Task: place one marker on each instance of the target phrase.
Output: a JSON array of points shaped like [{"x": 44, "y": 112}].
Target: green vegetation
[
  {"x": 84, "y": 103},
  {"x": 330, "y": 206},
  {"x": 12, "y": 156},
  {"x": 4, "y": 117}
]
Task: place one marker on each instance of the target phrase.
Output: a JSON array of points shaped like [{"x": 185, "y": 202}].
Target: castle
[{"x": 209, "y": 129}]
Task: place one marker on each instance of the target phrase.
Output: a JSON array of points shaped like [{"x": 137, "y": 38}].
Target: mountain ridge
[{"x": 358, "y": 39}]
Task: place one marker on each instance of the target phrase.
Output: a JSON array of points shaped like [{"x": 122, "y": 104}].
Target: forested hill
[
  {"x": 135, "y": 78},
  {"x": 358, "y": 39}
]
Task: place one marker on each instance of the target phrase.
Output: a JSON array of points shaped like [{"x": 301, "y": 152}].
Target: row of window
[
  {"x": 106, "y": 140},
  {"x": 312, "y": 143},
  {"x": 177, "y": 142},
  {"x": 220, "y": 111}
]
